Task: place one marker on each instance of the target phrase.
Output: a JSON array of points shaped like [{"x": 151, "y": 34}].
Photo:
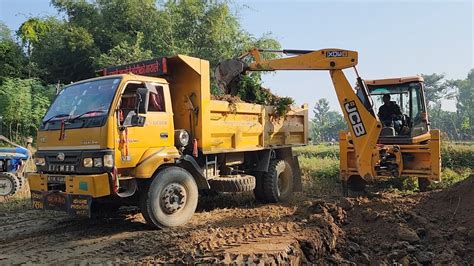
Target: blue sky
[{"x": 393, "y": 38}]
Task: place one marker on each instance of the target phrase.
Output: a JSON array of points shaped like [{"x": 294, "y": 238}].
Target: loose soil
[{"x": 385, "y": 227}]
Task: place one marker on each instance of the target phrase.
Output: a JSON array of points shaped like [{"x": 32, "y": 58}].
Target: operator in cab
[{"x": 389, "y": 113}]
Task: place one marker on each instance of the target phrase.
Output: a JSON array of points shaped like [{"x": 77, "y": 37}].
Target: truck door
[{"x": 155, "y": 133}]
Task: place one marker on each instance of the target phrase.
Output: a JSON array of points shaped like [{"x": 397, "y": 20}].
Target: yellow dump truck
[{"x": 148, "y": 134}]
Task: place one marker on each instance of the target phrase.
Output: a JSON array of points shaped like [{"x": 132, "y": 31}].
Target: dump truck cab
[{"x": 148, "y": 134}]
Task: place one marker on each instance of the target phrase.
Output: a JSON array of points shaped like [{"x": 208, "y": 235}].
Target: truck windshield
[{"x": 85, "y": 99}]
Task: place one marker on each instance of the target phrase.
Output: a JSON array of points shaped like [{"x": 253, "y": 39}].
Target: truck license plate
[
  {"x": 56, "y": 179},
  {"x": 75, "y": 205}
]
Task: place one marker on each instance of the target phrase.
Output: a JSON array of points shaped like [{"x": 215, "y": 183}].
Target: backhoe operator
[{"x": 390, "y": 113}]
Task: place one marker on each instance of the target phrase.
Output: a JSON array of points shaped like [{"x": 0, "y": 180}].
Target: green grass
[{"x": 320, "y": 167}]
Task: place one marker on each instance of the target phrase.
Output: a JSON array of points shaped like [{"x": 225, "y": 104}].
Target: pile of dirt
[{"x": 434, "y": 227}]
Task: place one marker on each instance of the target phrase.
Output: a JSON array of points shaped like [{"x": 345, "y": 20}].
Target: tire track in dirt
[{"x": 269, "y": 234}]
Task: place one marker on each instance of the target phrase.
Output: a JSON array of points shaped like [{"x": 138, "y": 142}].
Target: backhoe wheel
[
  {"x": 423, "y": 184},
  {"x": 278, "y": 181},
  {"x": 170, "y": 199},
  {"x": 9, "y": 184}
]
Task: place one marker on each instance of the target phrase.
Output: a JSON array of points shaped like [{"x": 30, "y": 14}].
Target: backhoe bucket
[{"x": 228, "y": 73}]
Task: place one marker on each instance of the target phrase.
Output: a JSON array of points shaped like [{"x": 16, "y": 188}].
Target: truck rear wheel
[
  {"x": 9, "y": 184},
  {"x": 170, "y": 199},
  {"x": 278, "y": 181}
]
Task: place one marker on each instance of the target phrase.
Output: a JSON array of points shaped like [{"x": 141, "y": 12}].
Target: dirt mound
[
  {"x": 454, "y": 205},
  {"x": 434, "y": 227}
]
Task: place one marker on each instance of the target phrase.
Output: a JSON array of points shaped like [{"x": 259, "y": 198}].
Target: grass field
[{"x": 320, "y": 167}]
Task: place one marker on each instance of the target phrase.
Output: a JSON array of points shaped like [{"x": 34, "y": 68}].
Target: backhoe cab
[
  {"x": 409, "y": 118},
  {"x": 382, "y": 142}
]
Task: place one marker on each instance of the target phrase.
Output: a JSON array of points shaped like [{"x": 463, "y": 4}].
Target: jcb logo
[
  {"x": 355, "y": 119},
  {"x": 336, "y": 54}
]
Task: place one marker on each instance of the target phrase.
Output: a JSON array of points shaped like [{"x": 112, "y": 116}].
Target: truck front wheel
[
  {"x": 170, "y": 199},
  {"x": 277, "y": 183}
]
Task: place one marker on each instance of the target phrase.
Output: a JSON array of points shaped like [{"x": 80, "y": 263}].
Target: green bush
[
  {"x": 320, "y": 175},
  {"x": 457, "y": 156},
  {"x": 319, "y": 151},
  {"x": 320, "y": 168},
  {"x": 449, "y": 177}
]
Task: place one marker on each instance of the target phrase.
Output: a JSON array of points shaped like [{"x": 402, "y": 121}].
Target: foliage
[
  {"x": 319, "y": 151},
  {"x": 125, "y": 53},
  {"x": 320, "y": 175},
  {"x": 249, "y": 89},
  {"x": 12, "y": 59},
  {"x": 454, "y": 125},
  {"x": 320, "y": 167},
  {"x": 326, "y": 124},
  {"x": 23, "y": 103},
  {"x": 457, "y": 156}
]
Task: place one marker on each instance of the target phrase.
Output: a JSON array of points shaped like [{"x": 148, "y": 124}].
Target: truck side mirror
[
  {"x": 133, "y": 120},
  {"x": 143, "y": 99}
]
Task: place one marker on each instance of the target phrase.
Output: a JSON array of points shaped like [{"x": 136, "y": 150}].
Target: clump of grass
[
  {"x": 320, "y": 151},
  {"x": 450, "y": 177},
  {"x": 320, "y": 175},
  {"x": 457, "y": 155},
  {"x": 20, "y": 201}
]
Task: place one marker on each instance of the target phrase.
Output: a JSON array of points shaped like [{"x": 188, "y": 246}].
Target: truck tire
[
  {"x": 258, "y": 190},
  {"x": 170, "y": 199},
  {"x": 9, "y": 184},
  {"x": 278, "y": 182},
  {"x": 238, "y": 183},
  {"x": 423, "y": 184}
]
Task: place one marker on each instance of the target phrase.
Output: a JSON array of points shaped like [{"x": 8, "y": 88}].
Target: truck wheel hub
[
  {"x": 6, "y": 186},
  {"x": 173, "y": 198}
]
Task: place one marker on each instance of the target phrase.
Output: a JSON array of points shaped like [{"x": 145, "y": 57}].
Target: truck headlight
[
  {"x": 97, "y": 162},
  {"x": 87, "y": 162},
  {"x": 40, "y": 161},
  {"x": 109, "y": 160},
  {"x": 181, "y": 138}
]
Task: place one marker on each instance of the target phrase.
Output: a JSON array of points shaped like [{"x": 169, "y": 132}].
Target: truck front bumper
[{"x": 76, "y": 196}]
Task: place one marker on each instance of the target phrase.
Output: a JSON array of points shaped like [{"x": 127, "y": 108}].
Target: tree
[
  {"x": 125, "y": 53},
  {"x": 204, "y": 29},
  {"x": 12, "y": 59},
  {"x": 65, "y": 53}
]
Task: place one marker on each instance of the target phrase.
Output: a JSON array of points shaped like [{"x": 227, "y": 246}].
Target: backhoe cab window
[{"x": 400, "y": 109}]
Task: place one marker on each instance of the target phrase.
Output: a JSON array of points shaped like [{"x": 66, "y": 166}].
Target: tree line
[
  {"x": 49, "y": 51},
  {"x": 454, "y": 125}
]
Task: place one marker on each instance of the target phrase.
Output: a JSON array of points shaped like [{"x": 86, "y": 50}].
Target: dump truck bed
[
  {"x": 221, "y": 126},
  {"x": 244, "y": 126}
]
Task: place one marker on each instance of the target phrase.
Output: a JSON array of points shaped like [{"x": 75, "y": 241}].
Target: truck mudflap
[{"x": 75, "y": 205}]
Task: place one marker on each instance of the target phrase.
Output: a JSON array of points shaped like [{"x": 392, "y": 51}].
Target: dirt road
[{"x": 384, "y": 227}]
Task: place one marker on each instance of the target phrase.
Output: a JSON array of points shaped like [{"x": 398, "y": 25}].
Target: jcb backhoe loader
[{"x": 372, "y": 149}]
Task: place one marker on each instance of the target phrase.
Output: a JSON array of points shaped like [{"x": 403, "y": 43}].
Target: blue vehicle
[{"x": 12, "y": 167}]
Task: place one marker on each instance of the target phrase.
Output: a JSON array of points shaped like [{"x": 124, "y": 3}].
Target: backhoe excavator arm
[{"x": 364, "y": 125}]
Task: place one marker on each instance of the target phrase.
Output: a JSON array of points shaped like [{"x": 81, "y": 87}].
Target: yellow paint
[
  {"x": 217, "y": 126},
  {"x": 97, "y": 185},
  {"x": 359, "y": 154}
]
